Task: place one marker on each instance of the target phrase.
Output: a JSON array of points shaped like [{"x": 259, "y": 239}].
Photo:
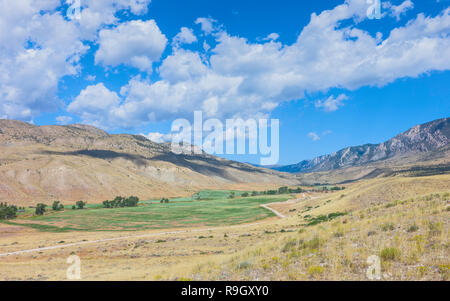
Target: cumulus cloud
[
  {"x": 237, "y": 77},
  {"x": 134, "y": 43},
  {"x": 332, "y": 103},
  {"x": 39, "y": 46},
  {"x": 185, "y": 36},
  {"x": 95, "y": 14},
  {"x": 398, "y": 10},
  {"x": 248, "y": 79},
  {"x": 182, "y": 65},
  {"x": 208, "y": 25},
  {"x": 91, "y": 101}
]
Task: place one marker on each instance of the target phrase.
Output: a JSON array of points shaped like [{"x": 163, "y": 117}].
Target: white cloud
[
  {"x": 95, "y": 14},
  {"x": 63, "y": 120},
  {"x": 92, "y": 101},
  {"x": 332, "y": 103},
  {"x": 245, "y": 79},
  {"x": 156, "y": 137},
  {"x": 237, "y": 78},
  {"x": 242, "y": 79},
  {"x": 208, "y": 25},
  {"x": 272, "y": 37},
  {"x": 90, "y": 78},
  {"x": 134, "y": 43},
  {"x": 39, "y": 46},
  {"x": 399, "y": 10},
  {"x": 314, "y": 136},
  {"x": 183, "y": 65},
  {"x": 185, "y": 36}
]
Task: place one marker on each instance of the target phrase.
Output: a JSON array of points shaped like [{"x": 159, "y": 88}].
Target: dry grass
[{"x": 413, "y": 246}]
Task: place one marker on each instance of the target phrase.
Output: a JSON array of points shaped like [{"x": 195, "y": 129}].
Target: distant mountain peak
[{"x": 422, "y": 138}]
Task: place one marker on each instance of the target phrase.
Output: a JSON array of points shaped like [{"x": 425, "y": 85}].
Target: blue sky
[{"x": 333, "y": 80}]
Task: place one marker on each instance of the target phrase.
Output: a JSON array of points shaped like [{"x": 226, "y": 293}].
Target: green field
[{"x": 215, "y": 211}]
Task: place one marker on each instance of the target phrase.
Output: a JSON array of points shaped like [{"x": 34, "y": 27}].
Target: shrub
[
  {"x": 390, "y": 205},
  {"x": 421, "y": 271},
  {"x": 7, "y": 212},
  {"x": 390, "y": 254},
  {"x": 323, "y": 218},
  {"x": 316, "y": 271},
  {"x": 444, "y": 270},
  {"x": 339, "y": 233},
  {"x": 57, "y": 206},
  {"x": 413, "y": 228},
  {"x": 387, "y": 227},
  {"x": 245, "y": 194},
  {"x": 244, "y": 265},
  {"x": 164, "y": 200},
  {"x": 312, "y": 244},
  {"x": 81, "y": 204},
  {"x": 434, "y": 228},
  {"x": 289, "y": 246},
  {"x": 40, "y": 209}
]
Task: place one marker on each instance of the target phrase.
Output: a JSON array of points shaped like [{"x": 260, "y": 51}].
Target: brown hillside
[{"x": 79, "y": 162}]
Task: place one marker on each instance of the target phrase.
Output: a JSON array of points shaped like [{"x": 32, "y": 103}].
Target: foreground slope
[
  {"x": 403, "y": 220},
  {"x": 80, "y": 162}
]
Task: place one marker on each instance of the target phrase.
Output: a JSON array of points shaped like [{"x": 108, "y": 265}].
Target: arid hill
[{"x": 79, "y": 162}]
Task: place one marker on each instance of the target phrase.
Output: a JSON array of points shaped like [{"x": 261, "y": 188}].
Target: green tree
[
  {"x": 57, "y": 206},
  {"x": 283, "y": 190},
  {"x": 81, "y": 204},
  {"x": 40, "y": 209},
  {"x": 7, "y": 212}
]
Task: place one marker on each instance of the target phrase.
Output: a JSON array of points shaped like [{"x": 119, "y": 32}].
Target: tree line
[
  {"x": 287, "y": 190},
  {"x": 121, "y": 202}
]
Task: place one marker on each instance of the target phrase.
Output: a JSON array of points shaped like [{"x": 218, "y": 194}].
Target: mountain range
[{"x": 431, "y": 137}]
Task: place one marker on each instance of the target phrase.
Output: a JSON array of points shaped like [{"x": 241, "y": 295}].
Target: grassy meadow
[{"x": 213, "y": 208}]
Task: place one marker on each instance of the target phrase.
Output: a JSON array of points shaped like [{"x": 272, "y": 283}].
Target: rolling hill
[{"x": 79, "y": 162}]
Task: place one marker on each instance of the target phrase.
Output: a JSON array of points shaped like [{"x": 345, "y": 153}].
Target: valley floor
[{"x": 402, "y": 221}]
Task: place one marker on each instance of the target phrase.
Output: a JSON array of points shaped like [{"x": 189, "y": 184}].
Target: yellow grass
[{"x": 403, "y": 214}]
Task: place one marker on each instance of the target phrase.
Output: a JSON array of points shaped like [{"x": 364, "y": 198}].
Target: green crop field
[{"x": 213, "y": 209}]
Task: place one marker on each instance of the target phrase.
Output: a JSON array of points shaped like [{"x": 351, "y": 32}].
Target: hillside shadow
[
  {"x": 212, "y": 167},
  {"x": 102, "y": 154}
]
